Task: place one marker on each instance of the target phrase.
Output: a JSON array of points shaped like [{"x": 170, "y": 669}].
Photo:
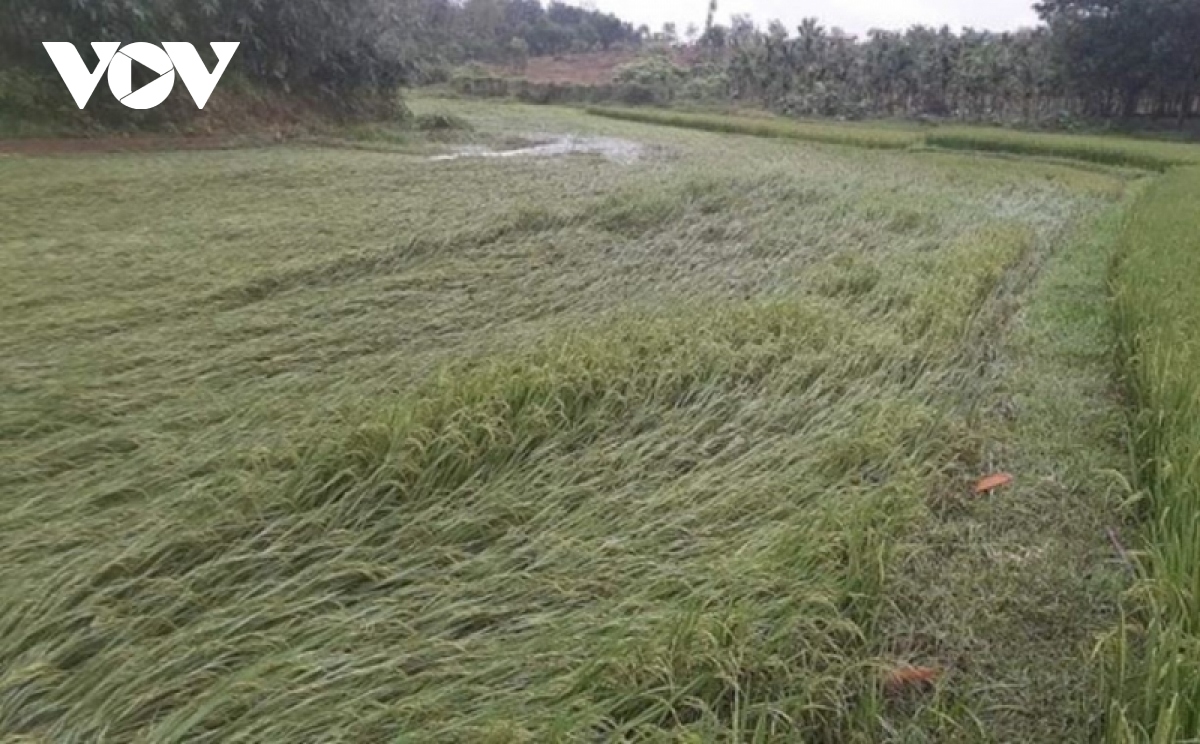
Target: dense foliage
[
  {"x": 450, "y": 31},
  {"x": 327, "y": 47},
  {"x": 1128, "y": 57},
  {"x": 920, "y": 71},
  {"x": 295, "y": 44},
  {"x": 1092, "y": 58}
]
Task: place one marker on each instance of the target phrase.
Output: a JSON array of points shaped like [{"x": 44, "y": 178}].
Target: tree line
[
  {"x": 1093, "y": 59},
  {"x": 302, "y": 45},
  {"x": 1089, "y": 58},
  {"x": 454, "y": 31},
  {"x": 339, "y": 49}
]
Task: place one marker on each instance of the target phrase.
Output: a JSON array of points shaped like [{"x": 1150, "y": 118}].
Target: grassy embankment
[{"x": 363, "y": 447}]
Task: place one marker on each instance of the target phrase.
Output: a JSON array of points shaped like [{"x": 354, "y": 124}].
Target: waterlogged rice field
[{"x": 312, "y": 443}]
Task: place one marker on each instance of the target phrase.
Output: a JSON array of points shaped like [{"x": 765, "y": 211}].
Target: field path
[{"x": 1012, "y": 589}]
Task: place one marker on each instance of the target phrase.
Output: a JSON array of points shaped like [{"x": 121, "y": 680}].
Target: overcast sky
[{"x": 855, "y": 16}]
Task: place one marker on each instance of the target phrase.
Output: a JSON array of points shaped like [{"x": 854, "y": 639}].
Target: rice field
[
  {"x": 1155, "y": 678},
  {"x": 338, "y": 441},
  {"x": 1119, "y": 151},
  {"x": 872, "y": 137},
  {"x": 1127, "y": 152}
]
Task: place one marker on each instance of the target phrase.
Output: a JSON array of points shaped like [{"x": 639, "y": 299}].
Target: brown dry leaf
[
  {"x": 906, "y": 678},
  {"x": 992, "y": 482}
]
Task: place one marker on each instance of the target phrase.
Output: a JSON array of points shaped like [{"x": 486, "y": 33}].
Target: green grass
[
  {"x": 1014, "y": 587},
  {"x": 1155, "y": 679},
  {"x": 360, "y": 446}
]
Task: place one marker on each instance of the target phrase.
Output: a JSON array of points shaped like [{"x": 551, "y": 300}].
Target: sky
[{"x": 854, "y": 16}]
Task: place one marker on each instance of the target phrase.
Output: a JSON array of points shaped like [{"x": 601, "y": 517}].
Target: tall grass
[{"x": 1155, "y": 674}]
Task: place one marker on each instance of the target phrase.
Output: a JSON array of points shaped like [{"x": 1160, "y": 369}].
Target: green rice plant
[
  {"x": 874, "y": 138},
  {"x": 1155, "y": 656},
  {"x": 1109, "y": 151},
  {"x": 944, "y": 310},
  {"x": 588, "y": 518},
  {"x": 368, "y": 446},
  {"x": 1118, "y": 151}
]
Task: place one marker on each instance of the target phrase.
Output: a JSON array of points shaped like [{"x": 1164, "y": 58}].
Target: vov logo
[{"x": 118, "y": 60}]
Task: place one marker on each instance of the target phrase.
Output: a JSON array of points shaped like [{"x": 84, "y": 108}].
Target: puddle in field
[{"x": 615, "y": 150}]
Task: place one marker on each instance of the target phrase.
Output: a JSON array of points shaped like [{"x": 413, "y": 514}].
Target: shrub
[
  {"x": 651, "y": 71},
  {"x": 707, "y": 87},
  {"x": 438, "y": 122},
  {"x": 636, "y": 94},
  {"x": 485, "y": 86}
]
